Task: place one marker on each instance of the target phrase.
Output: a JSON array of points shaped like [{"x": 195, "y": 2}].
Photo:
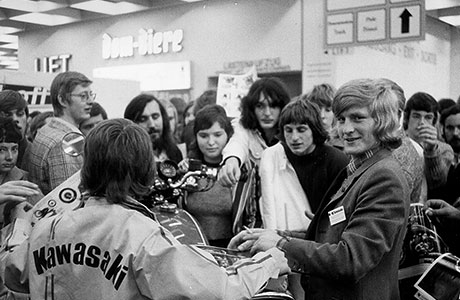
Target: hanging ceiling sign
[
  {"x": 148, "y": 42},
  {"x": 357, "y": 22}
]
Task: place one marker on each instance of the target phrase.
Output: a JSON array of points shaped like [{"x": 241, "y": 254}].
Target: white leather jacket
[{"x": 105, "y": 251}]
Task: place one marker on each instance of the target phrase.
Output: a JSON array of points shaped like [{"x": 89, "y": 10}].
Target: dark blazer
[{"x": 358, "y": 258}]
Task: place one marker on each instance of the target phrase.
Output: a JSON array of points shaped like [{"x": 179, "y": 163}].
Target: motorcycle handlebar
[{"x": 210, "y": 173}]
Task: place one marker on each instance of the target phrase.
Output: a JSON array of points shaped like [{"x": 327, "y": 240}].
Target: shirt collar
[
  {"x": 357, "y": 161},
  {"x": 68, "y": 124}
]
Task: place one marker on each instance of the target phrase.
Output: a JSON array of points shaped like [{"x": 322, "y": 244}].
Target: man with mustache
[
  {"x": 450, "y": 122},
  {"x": 48, "y": 165},
  {"x": 450, "y": 125},
  {"x": 445, "y": 201},
  {"x": 147, "y": 111}
]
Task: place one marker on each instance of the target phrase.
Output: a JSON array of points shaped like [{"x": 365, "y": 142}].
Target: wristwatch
[{"x": 281, "y": 242}]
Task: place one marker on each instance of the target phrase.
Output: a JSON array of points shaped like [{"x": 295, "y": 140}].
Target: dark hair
[
  {"x": 134, "y": 111},
  {"x": 420, "y": 101},
  {"x": 271, "y": 87},
  {"x": 189, "y": 106},
  {"x": 118, "y": 161},
  {"x": 10, "y": 100},
  {"x": 445, "y": 103},
  {"x": 34, "y": 114},
  {"x": 321, "y": 95},
  {"x": 9, "y": 131},
  {"x": 453, "y": 110},
  {"x": 180, "y": 106},
  {"x": 207, "y": 98},
  {"x": 62, "y": 85},
  {"x": 303, "y": 112},
  {"x": 204, "y": 119},
  {"x": 38, "y": 121},
  {"x": 96, "y": 110}
]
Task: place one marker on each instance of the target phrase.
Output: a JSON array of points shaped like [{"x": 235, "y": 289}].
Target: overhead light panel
[
  {"x": 7, "y": 62},
  {"x": 30, "y": 6},
  {"x": 9, "y": 30},
  {"x": 6, "y": 38},
  {"x": 440, "y": 4},
  {"x": 452, "y": 20},
  {"x": 109, "y": 8},
  {"x": 10, "y": 46},
  {"x": 45, "y": 19}
]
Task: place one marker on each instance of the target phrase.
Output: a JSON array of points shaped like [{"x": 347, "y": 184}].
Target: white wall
[
  {"x": 215, "y": 33},
  {"x": 416, "y": 66}
]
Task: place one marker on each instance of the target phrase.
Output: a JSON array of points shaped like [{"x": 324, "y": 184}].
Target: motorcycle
[{"x": 164, "y": 199}]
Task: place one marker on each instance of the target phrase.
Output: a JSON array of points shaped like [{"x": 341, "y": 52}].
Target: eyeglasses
[{"x": 85, "y": 97}]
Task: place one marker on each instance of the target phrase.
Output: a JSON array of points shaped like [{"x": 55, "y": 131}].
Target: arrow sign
[{"x": 405, "y": 16}]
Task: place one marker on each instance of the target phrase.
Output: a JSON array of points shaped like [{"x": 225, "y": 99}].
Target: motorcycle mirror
[{"x": 72, "y": 144}]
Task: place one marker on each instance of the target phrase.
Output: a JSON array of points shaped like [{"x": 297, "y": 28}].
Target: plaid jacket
[{"x": 45, "y": 160}]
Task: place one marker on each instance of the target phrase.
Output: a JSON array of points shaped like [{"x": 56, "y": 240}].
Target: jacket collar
[{"x": 366, "y": 164}]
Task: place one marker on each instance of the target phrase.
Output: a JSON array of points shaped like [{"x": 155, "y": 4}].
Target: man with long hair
[{"x": 149, "y": 113}]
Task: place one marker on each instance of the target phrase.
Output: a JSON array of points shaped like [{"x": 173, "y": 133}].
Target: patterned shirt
[{"x": 357, "y": 161}]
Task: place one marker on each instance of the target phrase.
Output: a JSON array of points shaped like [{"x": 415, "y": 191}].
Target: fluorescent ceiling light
[
  {"x": 4, "y": 62},
  {"x": 452, "y": 20},
  {"x": 109, "y": 8},
  {"x": 30, "y": 6},
  {"x": 8, "y": 58},
  {"x": 10, "y": 46},
  {"x": 45, "y": 19},
  {"x": 8, "y": 30},
  {"x": 6, "y": 38},
  {"x": 24, "y": 5},
  {"x": 440, "y": 4}
]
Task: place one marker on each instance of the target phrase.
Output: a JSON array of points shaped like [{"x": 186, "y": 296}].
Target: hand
[
  {"x": 267, "y": 239},
  {"x": 282, "y": 260},
  {"x": 183, "y": 165},
  {"x": 309, "y": 215},
  {"x": 244, "y": 240},
  {"x": 22, "y": 211},
  {"x": 428, "y": 136},
  {"x": 440, "y": 208},
  {"x": 230, "y": 172},
  {"x": 17, "y": 191}
]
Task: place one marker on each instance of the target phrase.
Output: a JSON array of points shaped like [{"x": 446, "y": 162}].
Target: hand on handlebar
[
  {"x": 230, "y": 172},
  {"x": 440, "y": 208},
  {"x": 183, "y": 165}
]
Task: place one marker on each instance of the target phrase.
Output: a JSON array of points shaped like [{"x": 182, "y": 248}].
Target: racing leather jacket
[{"x": 106, "y": 251}]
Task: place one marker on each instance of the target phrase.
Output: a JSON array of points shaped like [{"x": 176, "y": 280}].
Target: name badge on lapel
[{"x": 337, "y": 215}]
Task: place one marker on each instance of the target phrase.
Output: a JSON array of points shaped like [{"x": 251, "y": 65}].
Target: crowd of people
[{"x": 316, "y": 188}]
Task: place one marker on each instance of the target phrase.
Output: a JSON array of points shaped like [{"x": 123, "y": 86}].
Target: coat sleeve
[
  {"x": 238, "y": 145},
  {"x": 375, "y": 224},
  {"x": 437, "y": 165},
  {"x": 267, "y": 199},
  {"x": 165, "y": 269},
  {"x": 14, "y": 255}
]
